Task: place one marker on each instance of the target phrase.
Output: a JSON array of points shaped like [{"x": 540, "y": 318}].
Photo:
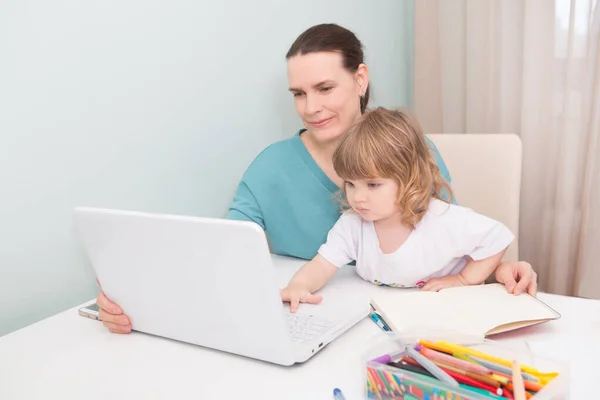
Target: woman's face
[{"x": 326, "y": 95}]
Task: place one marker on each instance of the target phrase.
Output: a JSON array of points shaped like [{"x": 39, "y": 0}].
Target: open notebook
[{"x": 477, "y": 311}]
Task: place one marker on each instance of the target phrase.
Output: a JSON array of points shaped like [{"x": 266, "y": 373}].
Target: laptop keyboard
[{"x": 306, "y": 328}]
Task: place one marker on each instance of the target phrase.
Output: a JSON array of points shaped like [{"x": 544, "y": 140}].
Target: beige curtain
[{"x": 530, "y": 67}]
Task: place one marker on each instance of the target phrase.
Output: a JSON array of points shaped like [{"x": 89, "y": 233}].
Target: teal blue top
[{"x": 291, "y": 198}]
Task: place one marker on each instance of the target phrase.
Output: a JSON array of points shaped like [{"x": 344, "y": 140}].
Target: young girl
[{"x": 397, "y": 226}]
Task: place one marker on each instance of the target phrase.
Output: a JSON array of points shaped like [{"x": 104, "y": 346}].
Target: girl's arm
[
  {"x": 476, "y": 272},
  {"x": 311, "y": 277}
]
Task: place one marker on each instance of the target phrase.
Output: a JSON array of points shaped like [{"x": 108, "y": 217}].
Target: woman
[{"x": 288, "y": 189}]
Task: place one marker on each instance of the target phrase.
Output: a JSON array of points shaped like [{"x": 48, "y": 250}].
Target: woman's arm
[
  {"x": 244, "y": 206},
  {"x": 433, "y": 150}
]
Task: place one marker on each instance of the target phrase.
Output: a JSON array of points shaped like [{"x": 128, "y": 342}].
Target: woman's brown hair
[{"x": 390, "y": 144}]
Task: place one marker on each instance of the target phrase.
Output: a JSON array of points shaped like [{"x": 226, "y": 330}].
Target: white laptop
[{"x": 210, "y": 282}]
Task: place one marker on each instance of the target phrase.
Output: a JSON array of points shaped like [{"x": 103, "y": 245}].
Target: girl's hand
[
  {"x": 437, "y": 284},
  {"x": 297, "y": 295}
]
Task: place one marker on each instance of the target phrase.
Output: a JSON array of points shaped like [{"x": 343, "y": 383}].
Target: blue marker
[
  {"x": 338, "y": 395},
  {"x": 380, "y": 322}
]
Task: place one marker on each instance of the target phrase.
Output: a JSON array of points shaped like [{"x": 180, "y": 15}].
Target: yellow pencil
[
  {"x": 517, "y": 382},
  {"x": 463, "y": 357},
  {"x": 503, "y": 380},
  {"x": 465, "y": 350},
  {"x": 460, "y": 352},
  {"x": 436, "y": 346}
]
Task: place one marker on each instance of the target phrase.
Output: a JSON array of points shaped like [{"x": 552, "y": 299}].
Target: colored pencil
[
  {"x": 448, "y": 359},
  {"x": 481, "y": 373},
  {"x": 435, "y": 346},
  {"x": 466, "y": 358},
  {"x": 431, "y": 367},
  {"x": 412, "y": 368},
  {"x": 374, "y": 383},
  {"x": 488, "y": 380},
  {"x": 392, "y": 382},
  {"x": 500, "y": 378},
  {"x": 379, "y": 382},
  {"x": 385, "y": 382},
  {"x": 529, "y": 385},
  {"x": 472, "y": 382},
  {"x": 460, "y": 378},
  {"x": 508, "y": 393},
  {"x": 481, "y": 392},
  {"x": 528, "y": 395},
  {"x": 370, "y": 383},
  {"x": 518, "y": 385},
  {"x": 502, "y": 369},
  {"x": 484, "y": 356}
]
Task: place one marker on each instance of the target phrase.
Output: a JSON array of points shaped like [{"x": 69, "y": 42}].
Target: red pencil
[
  {"x": 508, "y": 394},
  {"x": 472, "y": 382}
]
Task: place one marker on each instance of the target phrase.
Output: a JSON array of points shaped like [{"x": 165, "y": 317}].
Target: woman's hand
[
  {"x": 297, "y": 294},
  {"x": 112, "y": 316},
  {"x": 518, "y": 277}
]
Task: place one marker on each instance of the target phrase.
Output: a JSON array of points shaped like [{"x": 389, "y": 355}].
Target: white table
[{"x": 70, "y": 357}]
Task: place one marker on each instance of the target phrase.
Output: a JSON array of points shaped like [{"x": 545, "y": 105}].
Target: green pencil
[{"x": 482, "y": 392}]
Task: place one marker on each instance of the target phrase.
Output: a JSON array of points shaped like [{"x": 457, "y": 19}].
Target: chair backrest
[{"x": 486, "y": 176}]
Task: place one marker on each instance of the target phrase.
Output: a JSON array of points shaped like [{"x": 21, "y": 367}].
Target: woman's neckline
[{"x": 312, "y": 164}]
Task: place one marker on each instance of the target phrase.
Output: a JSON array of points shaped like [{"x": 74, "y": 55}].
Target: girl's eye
[
  {"x": 374, "y": 185},
  {"x": 349, "y": 184}
]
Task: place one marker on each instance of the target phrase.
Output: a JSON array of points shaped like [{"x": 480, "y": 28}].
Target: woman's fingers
[
  {"x": 112, "y": 316},
  {"x": 116, "y": 328},
  {"x": 105, "y": 304}
]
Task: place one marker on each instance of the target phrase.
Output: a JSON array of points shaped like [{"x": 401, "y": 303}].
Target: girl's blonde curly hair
[{"x": 390, "y": 144}]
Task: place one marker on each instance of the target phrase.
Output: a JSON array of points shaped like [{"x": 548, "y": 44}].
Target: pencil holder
[{"x": 477, "y": 371}]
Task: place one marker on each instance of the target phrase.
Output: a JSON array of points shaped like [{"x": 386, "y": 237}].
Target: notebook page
[
  {"x": 485, "y": 307},
  {"x": 419, "y": 312}
]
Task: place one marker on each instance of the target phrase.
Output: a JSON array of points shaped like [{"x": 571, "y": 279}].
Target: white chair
[{"x": 486, "y": 176}]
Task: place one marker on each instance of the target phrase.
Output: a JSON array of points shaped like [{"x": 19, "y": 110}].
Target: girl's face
[
  {"x": 373, "y": 199},
  {"x": 326, "y": 95}
]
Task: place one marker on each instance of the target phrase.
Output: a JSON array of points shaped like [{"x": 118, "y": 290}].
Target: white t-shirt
[{"x": 438, "y": 246}]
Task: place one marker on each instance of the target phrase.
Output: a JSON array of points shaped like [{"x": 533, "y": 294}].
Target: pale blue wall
[{"x": 148, "y": 105}]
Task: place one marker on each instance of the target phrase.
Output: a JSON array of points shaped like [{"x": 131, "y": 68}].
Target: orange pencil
[{"x": 511, "y": 387}]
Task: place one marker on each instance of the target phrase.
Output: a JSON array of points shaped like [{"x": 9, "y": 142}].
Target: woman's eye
[
  {"x": 297, "y": 94},
  {"x": 326, "y": 89}
]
